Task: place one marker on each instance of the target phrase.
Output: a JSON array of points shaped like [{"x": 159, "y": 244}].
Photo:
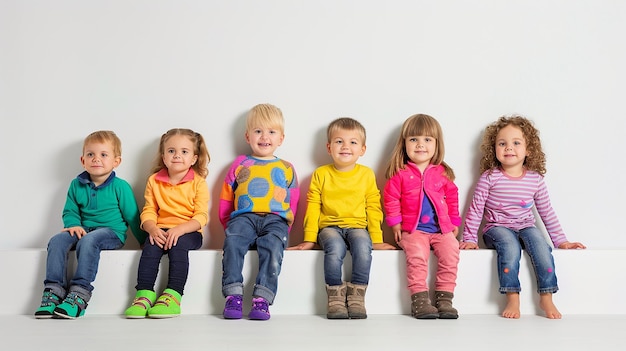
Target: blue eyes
[
  {"x": 91, "y": 155},
  {"x": 339, "y": 142},
  {"x": 184, "y": 152},
  {"x": 516, "y": 143},
  {"x": 426, "y": 140}
]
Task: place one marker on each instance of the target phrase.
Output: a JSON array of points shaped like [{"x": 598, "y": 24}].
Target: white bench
[{"x": 591, "y": 282}]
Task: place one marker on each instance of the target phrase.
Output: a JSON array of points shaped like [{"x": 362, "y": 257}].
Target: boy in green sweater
[
  {"x": 344, "y": 213},
  {"x": 98, "y": 211}
]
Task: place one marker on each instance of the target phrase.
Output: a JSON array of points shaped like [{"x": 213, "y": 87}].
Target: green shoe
[
  {"x": 72, "y": 307},
  {"x": 166, "y": 306},
  {"x": 144, "y": 299},
  {"x": 49, "y": 302}
]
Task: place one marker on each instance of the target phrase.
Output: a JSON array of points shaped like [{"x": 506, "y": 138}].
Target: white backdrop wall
[{"x": 69, "y": 67}]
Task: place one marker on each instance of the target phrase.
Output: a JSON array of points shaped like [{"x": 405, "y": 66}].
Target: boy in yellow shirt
[{"x": 344, "y": 213}]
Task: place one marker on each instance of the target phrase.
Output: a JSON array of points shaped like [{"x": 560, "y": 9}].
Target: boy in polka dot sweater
[{"x": 257, "y": 207}]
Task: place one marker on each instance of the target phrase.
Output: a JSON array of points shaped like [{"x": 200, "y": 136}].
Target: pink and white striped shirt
[{"x": 508, "y": 202}]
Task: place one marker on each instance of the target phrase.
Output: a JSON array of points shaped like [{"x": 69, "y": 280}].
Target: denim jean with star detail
[{"x": 508, "y": 244}]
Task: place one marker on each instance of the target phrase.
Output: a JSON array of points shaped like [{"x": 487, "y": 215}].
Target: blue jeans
[
  {"x": 87, "y": 258},
  {"x": 508, "y": 244},
  {"x": 178, "y": 263},
  {"x": 336, "y": 242},
  {"x": 268, "y": 234}
]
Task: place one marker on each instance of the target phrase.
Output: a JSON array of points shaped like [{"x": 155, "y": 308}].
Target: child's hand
[
  {"x": 78, "y": 231},
  {"x": 306, "y": 245},
  {"x": 172, "y": 237},
  {"x": 383, "y": 246},
  {"x": 157, "y": 237},
  {"x": 397, "y": 232},
  {"x": 576, "y": 245},
  {"x": 463, "y": 245}
]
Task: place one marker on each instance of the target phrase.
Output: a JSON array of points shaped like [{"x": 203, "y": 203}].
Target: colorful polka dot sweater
[{"x": 259, "y": 186}]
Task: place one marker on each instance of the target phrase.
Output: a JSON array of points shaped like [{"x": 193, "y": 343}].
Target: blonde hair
[
  {"x": 200, "y": 149},
  {"x": 418, "y": 125},
  {"x": 536, "y": 158},
  {"x": 345, "y": 123},
  {"x": 105, "y": 136},
  {"x": 265, "y": 115}
]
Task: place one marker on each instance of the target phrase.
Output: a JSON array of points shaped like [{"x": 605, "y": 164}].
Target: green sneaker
[
  {"x": 166, "y": 306},
  {"x": 49, "y": 302},
  {"x": 72, "y": 307},
  {"x": 144, "y": 299}
]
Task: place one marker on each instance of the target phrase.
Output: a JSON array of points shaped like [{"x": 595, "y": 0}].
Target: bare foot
[
  {"x": 512, "y": 306},
  {"x": 546, "y": 304}
]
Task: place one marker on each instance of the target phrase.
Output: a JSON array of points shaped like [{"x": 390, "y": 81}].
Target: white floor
[{"x": 305, "y": 332}]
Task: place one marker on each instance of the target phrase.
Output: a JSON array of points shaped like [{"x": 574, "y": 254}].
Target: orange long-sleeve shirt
[{"x": 173, "y": 204}]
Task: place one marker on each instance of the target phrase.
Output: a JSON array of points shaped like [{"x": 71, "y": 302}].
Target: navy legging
[{"x": 179, "y": 263}]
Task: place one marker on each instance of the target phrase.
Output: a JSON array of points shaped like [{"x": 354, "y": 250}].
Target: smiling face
[
  {"x": 510, "y": 147},
  {"x": 264, "y": 141},
  {"x": 420, "y": 150},
  {"x": 178, "y": 154},
  {"x": 345, "y": 148},
  {"x": 99, "y": 160}
]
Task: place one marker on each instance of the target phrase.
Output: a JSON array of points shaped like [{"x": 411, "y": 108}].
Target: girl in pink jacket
[{"x": 421, "y": 203}]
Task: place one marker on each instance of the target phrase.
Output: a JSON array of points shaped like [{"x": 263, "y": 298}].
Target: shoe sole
[
  {"x": 358, "y": 316},
  {"x": 427, "y": 316},
  {"x": 337, "y": 316},
  {"x": 136, "y": 317},
  {"x": 63, "y": 316},
  {"x": 43, "y": 316},
  {"x": 233, "y": 316},
  {"x": 448, "y": 316},
  {"x": 258, "y": 317},
  {"x": 161, "y": 316}
]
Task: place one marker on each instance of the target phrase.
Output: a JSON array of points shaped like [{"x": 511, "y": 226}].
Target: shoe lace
[
  {"x": 49, "y": 298},
  {"x": 233, "y": 303},
  {"x": 260, "y": 304},
  {"x": 73, "y": 299}
]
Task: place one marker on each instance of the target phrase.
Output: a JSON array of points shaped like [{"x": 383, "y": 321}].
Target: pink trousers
[{"x": 416, "y": 248}]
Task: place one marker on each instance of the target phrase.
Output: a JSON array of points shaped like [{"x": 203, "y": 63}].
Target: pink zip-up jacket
[{"x": 404, "y": 192}]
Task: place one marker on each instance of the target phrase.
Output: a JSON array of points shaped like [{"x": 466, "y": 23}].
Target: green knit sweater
[{"x": 111, "y": 204}]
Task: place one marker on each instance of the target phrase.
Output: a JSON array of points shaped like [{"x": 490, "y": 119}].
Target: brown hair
[
  {"x": 200, "y": 149},
  {"x": 418, "y": 125},
  {"x": 536, "y": 158},
  {"x": 345, "y": 123}
]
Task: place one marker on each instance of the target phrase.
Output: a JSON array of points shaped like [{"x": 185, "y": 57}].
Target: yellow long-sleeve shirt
[
  {"x": 170, "y": 205},
  {"x": 343, "y": 199}
]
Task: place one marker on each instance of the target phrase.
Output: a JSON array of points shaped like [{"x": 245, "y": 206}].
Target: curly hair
[
  {"x": 536, "y": 158},
  {"x": 200, "y": 149}
]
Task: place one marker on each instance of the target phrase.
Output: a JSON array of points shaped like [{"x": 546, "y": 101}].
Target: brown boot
[
  {"x": 356, "y": 301},
  {"x": 443, "y": 302},
  {"x": 337, "y": 302},
  {"x": 421, "y": 307}
]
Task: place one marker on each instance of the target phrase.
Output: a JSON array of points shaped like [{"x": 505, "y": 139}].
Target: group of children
[{"x": 258, "y": 204}]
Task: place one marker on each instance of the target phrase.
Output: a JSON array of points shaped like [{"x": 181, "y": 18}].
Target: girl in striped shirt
[{"x": 511, "y": 184}]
